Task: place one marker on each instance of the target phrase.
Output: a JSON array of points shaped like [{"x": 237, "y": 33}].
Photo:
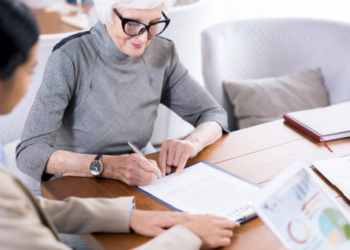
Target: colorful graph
[
  {"x": 298, "y": 232},
  {"x": 302, "y": 187},
  {"x": 334, "y": 226}
]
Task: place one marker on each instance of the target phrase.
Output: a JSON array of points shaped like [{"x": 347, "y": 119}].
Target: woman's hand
[
  {"x": 133, "y": 169},
  {"x": 212, "y": 230},
  {"x": 153, "y": 223},
  {"x": 176, "y": 153}
]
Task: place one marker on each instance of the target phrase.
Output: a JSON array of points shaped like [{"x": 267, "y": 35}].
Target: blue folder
[{"x": 211, "y": 165}]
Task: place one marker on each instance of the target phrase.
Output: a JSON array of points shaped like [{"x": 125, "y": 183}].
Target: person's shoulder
[
  {"x": 164, "y": 40},
  {"x": 74, "y": 39},
  {"x": 160, "y": 49},
  {"x": 76, "y": 44},
  {"x": 160, "y": 42}
]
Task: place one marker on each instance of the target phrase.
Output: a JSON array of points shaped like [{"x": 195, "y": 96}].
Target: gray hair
[{"x": 104, "y": 8}]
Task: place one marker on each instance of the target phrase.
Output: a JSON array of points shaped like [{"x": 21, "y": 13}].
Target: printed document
[{"x": 203, "y": 189}]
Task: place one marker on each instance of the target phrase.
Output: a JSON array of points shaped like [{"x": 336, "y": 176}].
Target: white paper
[
  {"x": 337, "y": 171},
  {"x": 202, "y": 189}
]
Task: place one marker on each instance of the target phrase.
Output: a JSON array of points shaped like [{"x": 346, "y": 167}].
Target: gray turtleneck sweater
[{"x": 94, "y": 98}]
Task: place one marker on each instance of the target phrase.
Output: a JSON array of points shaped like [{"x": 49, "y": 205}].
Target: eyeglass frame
[{"x": 126, "y": 20}]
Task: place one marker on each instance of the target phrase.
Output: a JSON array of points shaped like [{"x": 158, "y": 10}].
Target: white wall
[{"x": 247, "y": 9}]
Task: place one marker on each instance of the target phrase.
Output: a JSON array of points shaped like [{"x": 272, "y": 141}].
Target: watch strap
[{"x": 98, "y": 157}]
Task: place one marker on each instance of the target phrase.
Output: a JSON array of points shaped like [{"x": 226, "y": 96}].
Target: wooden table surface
[
  {"x": 258, "y": 154},
  {"x": 50, "y": 23}
]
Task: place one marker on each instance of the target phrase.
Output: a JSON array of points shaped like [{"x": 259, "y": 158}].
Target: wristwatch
[{"x": 96, "y": 167}]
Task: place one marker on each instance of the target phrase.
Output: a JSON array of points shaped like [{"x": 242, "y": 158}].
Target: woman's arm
[
  {"x": 37, "y": 155},
  {"x": 45, "y": 117},
  {"x": 131, "y": 169},
  {"x": 177, "y": 152},
  {"x": 186, "y": 97}
]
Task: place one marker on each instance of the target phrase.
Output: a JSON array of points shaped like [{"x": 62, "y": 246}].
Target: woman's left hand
[{"x": 176, "y": 153}]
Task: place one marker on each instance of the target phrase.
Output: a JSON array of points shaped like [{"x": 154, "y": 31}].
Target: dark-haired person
[{"x": 33, "y": 223}]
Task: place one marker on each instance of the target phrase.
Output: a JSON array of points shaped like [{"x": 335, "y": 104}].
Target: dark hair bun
[{"x": 18, "y": 34}]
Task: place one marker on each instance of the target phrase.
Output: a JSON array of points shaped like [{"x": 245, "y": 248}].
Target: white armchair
[{"x": 260, "y": 48}]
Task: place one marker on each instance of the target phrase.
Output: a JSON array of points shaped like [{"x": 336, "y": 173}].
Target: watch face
[{"x": 96, "y": 168}]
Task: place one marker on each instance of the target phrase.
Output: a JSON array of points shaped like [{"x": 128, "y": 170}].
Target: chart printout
[
  {"x": 202, "y": 189},
  {"x": 306, "y": 217}
]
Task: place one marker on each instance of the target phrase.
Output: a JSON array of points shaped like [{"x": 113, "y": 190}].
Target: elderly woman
[
  {"x": 27, "y": 222},
  {"x": 102, "y": 88}
]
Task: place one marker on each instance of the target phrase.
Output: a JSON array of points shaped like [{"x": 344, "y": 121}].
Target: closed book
[{"x": 320, "y": 124}]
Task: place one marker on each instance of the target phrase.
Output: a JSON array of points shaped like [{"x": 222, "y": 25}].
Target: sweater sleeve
[
  {"x": 186, "y": 97},
  {"x": 45, "y": 117}
]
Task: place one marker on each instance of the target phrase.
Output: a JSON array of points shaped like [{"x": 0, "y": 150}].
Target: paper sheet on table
[
  {"x": 204, "y": 189},
  {"x": 337, "y": 171}
]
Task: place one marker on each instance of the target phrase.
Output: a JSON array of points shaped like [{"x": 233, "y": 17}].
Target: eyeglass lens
[{"x": 134, "y": 28}]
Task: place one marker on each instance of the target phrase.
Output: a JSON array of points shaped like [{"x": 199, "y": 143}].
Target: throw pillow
[{"x": 267, "y": 99}]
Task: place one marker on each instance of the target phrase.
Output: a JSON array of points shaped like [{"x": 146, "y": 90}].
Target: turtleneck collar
[{"x": 106, "y": 46}]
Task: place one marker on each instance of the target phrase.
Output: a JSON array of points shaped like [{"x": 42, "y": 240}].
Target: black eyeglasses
[{"x": 136, "y": 28}]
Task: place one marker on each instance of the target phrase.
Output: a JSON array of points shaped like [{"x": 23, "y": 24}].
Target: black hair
[{"x": 18, "y": 34}]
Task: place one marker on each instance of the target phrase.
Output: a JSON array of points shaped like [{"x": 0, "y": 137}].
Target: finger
[
  {"x": 162, "y": 157},
  {"x": 168, "y": 169},
  {"x": 144, "y": 182},
  {"x": 227, "y": 224},
  {"x": 154, "y": 163},
  {"x": 235, "y": 223},
  {"x": 179, "y": 150},
  {"x": 148, "y": 165},
  {"x": 145, "y": 178},
  {"x": 183, "y": 160},
  {"x": 137, "y": 180},
  {"x": 154, "y": 231},
  {"x": 171, "y": 152},
  {"x": 226, "y": 233},
  {"x": 223, "y": 242}
]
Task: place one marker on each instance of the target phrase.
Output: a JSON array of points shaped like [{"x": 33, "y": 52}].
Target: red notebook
[{"x": 321, "y": 124}]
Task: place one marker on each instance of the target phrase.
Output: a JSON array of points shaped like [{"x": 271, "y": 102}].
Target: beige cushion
[{"x": 267, "y": 99}]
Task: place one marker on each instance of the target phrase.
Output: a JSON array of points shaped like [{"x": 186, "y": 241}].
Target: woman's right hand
[
  {"x": 133, "y": 169},
  {"x": 212, "y": 230}
]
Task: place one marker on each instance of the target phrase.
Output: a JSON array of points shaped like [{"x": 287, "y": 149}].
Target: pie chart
[
  {"x": 298, "y": 232},
  {"x": 334, "y": 226}
]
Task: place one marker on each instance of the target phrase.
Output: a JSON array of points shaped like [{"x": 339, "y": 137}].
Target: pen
[
  {"x": 249, "y": 213},
  {"x": 138, "y": 151},
  {"x": 247, "y": 216}
]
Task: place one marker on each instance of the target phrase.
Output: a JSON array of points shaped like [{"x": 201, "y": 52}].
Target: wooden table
[
  {"x": 50, "y": 23},
  {"x": 257, "y": 154}
]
